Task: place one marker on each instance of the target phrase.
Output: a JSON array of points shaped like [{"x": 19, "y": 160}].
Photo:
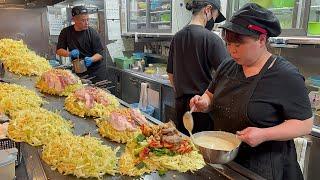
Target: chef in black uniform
[
  {"x": 80, "y": 40},
  {"x": 194, "y": 52},
  {"x": 259, "y": 96}
]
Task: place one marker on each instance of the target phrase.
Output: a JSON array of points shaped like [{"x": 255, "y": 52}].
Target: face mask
[{"x": 210, "y": 24}]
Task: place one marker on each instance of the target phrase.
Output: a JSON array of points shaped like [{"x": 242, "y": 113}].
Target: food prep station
[
  {"x": 148, "y": 28},
  {"x": 32, "y": 167}
]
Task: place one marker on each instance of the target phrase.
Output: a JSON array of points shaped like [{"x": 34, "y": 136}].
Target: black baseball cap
[
  {"x": 215, "y": 3},
  {"x": 252, "y": 19},
  {"x": 79, "y": 10}
]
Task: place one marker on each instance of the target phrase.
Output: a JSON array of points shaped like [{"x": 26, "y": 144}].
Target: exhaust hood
[{"x": 27, "y": 3}]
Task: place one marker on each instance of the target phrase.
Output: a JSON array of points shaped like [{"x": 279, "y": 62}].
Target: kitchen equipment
[
  {"x": 314, "y": 97},
  {"x": 213, "y": 156},
  {"x": 124, "y": 62},
  {"x": 143, "y": 102},
  {"x": 7, "y": 167},
  {"x": 79, "y": 65},
  {"x": 314, "y": 28},
  {"x": 138, "y": 55},
  {"x": 63, "y": 60},
  {"x": 315, "y": 80},
  {"x": 165, "y": 17},
  {"x": 7, "y": 143},
  {"x": 142, "y": 5},
  {"x": 263, "y": 3},
  {"x": 188, "y": 121}
]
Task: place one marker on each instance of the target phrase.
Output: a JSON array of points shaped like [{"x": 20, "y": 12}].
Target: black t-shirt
[
  {"x": 194, "y": 53},
  {"x": 280, "y": 95},
  {"x": 87, "y": 42}
]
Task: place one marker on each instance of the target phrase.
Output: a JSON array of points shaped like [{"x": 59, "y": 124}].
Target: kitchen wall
[
  {"x": 31, "y": 25},
  {"x": 306, "y": 58}
]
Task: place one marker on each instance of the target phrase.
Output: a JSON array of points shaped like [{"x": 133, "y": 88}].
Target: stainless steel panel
[
  {"x": 314, "y": 159},
  {"x": 31, "y": 25},
  {"x": 130, "y": 90}
]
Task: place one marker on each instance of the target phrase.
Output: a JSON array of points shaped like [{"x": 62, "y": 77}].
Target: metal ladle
[{"x": 188, "y": 121}]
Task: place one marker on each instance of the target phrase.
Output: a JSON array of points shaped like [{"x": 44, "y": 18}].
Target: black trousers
[{"x": 202, "y": 121}]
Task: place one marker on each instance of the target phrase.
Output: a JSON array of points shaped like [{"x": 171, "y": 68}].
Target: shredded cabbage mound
[
  {"x": 37, "y": 126},
  {"x": 67, "y": 89},
  {"x": 15, "y": 97},
  {"x": 106, "y": 130},
  {"x": 18, "y": 59},
  {"x": 130, "y": 164},
  {"x": 78, "y": 107},
  {"x": 81, "y": 156}
]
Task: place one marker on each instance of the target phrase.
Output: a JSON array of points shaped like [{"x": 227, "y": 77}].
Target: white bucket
[{"x": 7, "y": 163}]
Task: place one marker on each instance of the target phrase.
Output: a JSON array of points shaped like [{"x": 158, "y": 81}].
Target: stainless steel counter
[
  {"x": 144, "y": 76},
  {"x": 36, "y": 169}
]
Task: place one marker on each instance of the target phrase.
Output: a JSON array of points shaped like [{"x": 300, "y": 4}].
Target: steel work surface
[{"x": 37, "y": 169}]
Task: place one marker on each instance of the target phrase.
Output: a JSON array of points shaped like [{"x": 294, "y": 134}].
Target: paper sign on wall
[
  {"x": 114, "y": 29},
  {"x": 116, "y": 49}
]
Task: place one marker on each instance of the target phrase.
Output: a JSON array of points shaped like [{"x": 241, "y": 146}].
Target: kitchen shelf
[
  {"x": 280, "y": 9},
  {"x": 161, "y": 22},
  {"x": 162, "y": 11},
  {"x": 139, "y": 10},
  {"x": 156, "y": 56}
]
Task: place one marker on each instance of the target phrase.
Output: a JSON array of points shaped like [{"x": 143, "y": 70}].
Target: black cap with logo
[
  {"x": 253, "y": 19},
  {"x": 79, "y": 10}
]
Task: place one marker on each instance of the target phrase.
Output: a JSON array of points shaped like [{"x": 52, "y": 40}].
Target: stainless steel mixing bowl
[{"x": 217, "y": 156}]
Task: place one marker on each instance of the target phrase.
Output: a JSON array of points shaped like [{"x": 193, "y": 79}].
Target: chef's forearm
[
  {"x": 62, "y": 52},
  {"x": 288, "y": 130},
  {"x": 97, "y": 57}
]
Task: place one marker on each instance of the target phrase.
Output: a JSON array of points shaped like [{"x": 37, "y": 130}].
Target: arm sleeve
[
  {"x": 295, "y": 101},
  {"x": 217, "y": 51},
  {"x": 62, "y": 41},
  {"x": 170, "y": 58},
  {"x": 96, "y": 43}
]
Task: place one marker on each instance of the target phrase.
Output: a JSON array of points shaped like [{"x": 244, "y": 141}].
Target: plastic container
[
  {"x": 124, "y": 62},
  {"x": 7, "y": 143},
  {"x": 283, "y": 3},
  {"x": 149, "y": 110},
  {"x": 138, "y": 55},
  {"x": 263, "y": 3},
  {"x": 314, "y": 28},
  {"x": 155, "y": 4},
  {"x": 315, "y": 80},
  {"x": 7, "y": 163},
  {"x": 142, "y": 5},
  {"x": 165, "y": 17}
]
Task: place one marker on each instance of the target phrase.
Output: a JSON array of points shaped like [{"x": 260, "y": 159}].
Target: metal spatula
[{"x": 188, "y": 121}]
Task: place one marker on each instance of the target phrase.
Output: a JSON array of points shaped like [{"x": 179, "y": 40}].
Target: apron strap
[
  {"x": 255, "y": 82},
  {"x": 264, "y": 69}
]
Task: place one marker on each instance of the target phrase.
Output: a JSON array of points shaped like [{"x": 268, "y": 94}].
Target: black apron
[{"x": 272, "y": 159}]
